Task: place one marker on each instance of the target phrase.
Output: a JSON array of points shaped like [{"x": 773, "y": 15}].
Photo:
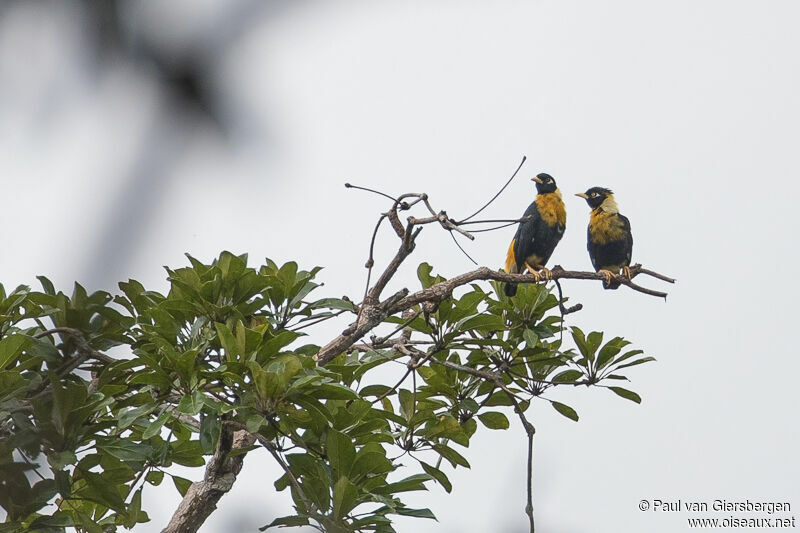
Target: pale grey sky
[{"x": 687, "y": 109}]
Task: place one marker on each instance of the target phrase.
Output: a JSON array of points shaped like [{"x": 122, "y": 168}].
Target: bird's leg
[
  {"x": 547, "y": 274},
  {"x": 608, "y": 275},
  {"x": 626, "y": 271},
  {"x": 533, "y": 272}
]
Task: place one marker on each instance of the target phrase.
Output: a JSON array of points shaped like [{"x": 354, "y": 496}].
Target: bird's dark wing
[
  {"x": 593, "y": 248},
  {"x": 527, "y": 233},
  {"x": 628, "y": 244}
]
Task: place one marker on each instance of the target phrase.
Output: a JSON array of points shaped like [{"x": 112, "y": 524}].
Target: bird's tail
[
  {"x": 511, "y": 267},
  {"x": 614, "y": 285}
]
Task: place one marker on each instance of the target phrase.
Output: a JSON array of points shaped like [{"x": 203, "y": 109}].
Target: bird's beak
[
  {"x": 536, "y": 179},
  {"x": 582, "y": 195}
]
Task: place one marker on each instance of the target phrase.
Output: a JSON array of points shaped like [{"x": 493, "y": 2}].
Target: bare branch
[
  {"x": 440, "y": 291},
  {"x": 373, "y": 314},
  {"x": 84, "y": 349}
]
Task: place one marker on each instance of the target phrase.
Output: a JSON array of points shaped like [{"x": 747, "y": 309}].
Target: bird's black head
[
  {"x": 596, "y": 196},
  {"x": 544, "y": 183}
]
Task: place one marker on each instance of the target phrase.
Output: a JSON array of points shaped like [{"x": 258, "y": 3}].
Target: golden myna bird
[
  {"x": 538, "y": 235},
  {"x": 609, "y": 238}
]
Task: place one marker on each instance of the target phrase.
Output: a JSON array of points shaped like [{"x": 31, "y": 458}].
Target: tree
[{"x": 220, "y": 367}]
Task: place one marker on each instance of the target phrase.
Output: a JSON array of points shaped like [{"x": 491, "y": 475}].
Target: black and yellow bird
[
  {"x": 537, "y": 235},
  {"x": 609, "y": 238}
]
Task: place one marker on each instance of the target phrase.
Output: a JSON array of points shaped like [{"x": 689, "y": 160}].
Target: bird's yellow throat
[
  {"x": 604, "y": 225},
  {"x": 551, "y": 208}
]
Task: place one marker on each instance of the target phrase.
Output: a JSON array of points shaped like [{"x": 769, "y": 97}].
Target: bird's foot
[
  {"x": 533, "y": 273},
  {"x": 608, "y": 275},
  {"x": 626, "y": 271},
  {"x": 546, "y": 274}
]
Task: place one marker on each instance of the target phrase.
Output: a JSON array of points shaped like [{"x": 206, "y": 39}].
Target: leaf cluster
[{"x": 226, "y": 349}]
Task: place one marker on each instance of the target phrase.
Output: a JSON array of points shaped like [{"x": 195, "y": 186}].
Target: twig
[
  {"x": 498, "y": 192},
  {"x": 462, "y": 249},
  {"x": 371, "y": 260},
  {"x": 656, "y": 275},
  {"x": 497, "y": 221},
  {"x": 350, "y": 186},
  {"x": 531, "y": 431},
  {"x": 408, "y": 320},
  {"x": 321, "y": 319},
  {"x": 565, "y": 310},
  {"x": 83, "y": 346}
]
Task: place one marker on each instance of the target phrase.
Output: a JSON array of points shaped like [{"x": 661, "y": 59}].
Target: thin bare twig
[
  {"x": 351, "y": 186},
  {"x": 266, "y": 443},
  {"x": 462, "y": 249},
  {"x": 530, "y": 431},
  {"x": 497, "y": 221},
  {"x": 371, "y": 260},
  {"x": 498, "y": 192}
]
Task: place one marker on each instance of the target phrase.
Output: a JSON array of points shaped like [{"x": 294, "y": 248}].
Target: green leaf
[
  {"x": 580, "y": 340},
  {"x": 286, "y": 521},
  {"x": 126, "y": 450},
  {"x": 608, "y": 351},
  {"x": 424, "y": 275},
  {"x": 341, "y": 453},
  {"x": 210, "y": 427},
  {"x": 375, "y": 390},
  {"x": 530, "y": 338},
  {"x": 411, "y": 483},
  {"x": 191, "y": 404},
  {"x": 567, "y": 376},
  {"x": 11, "y": 347},
  {"x": 634, "y": 363},
  {"x": 58, "y": 460},
  {"x": 128, "y": 417},
  {"x": 438, "y": 475},
  {"x": 182, "y": 484},
  {"x": 333, "y": 303},
  {"x": 451, "y": 455},
  {"x": 627, "y": 394},
  {"x": 154, "y": 477},
  {"x": 418, "y": 513},
  {"x": 254, "y": 422},
  {"x": 494, "y": 420},
  {"x": 187, "y": 453},
  {"x": 482, "y": 322},
  {"x": 233, "y": 350},
  {"x": 370, "y": 460},
  {"x": 333, "y": 391},
  {"x": 627, "y": 355},
  {"x": 56, "y": 522},
  {"x": 406, "y": 403},
  {"x": 593, "y": 342},
  {"x": 155, "y": 426},
  {"x": 345, "y": 497},
  {"x": 566, "y": 410}
]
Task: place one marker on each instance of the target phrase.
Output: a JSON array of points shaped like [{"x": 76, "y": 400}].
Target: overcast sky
[{"x": 688, "y": 110}]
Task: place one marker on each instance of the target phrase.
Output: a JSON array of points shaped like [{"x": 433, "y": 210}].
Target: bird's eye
[{"x": 594, "y": 195}]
